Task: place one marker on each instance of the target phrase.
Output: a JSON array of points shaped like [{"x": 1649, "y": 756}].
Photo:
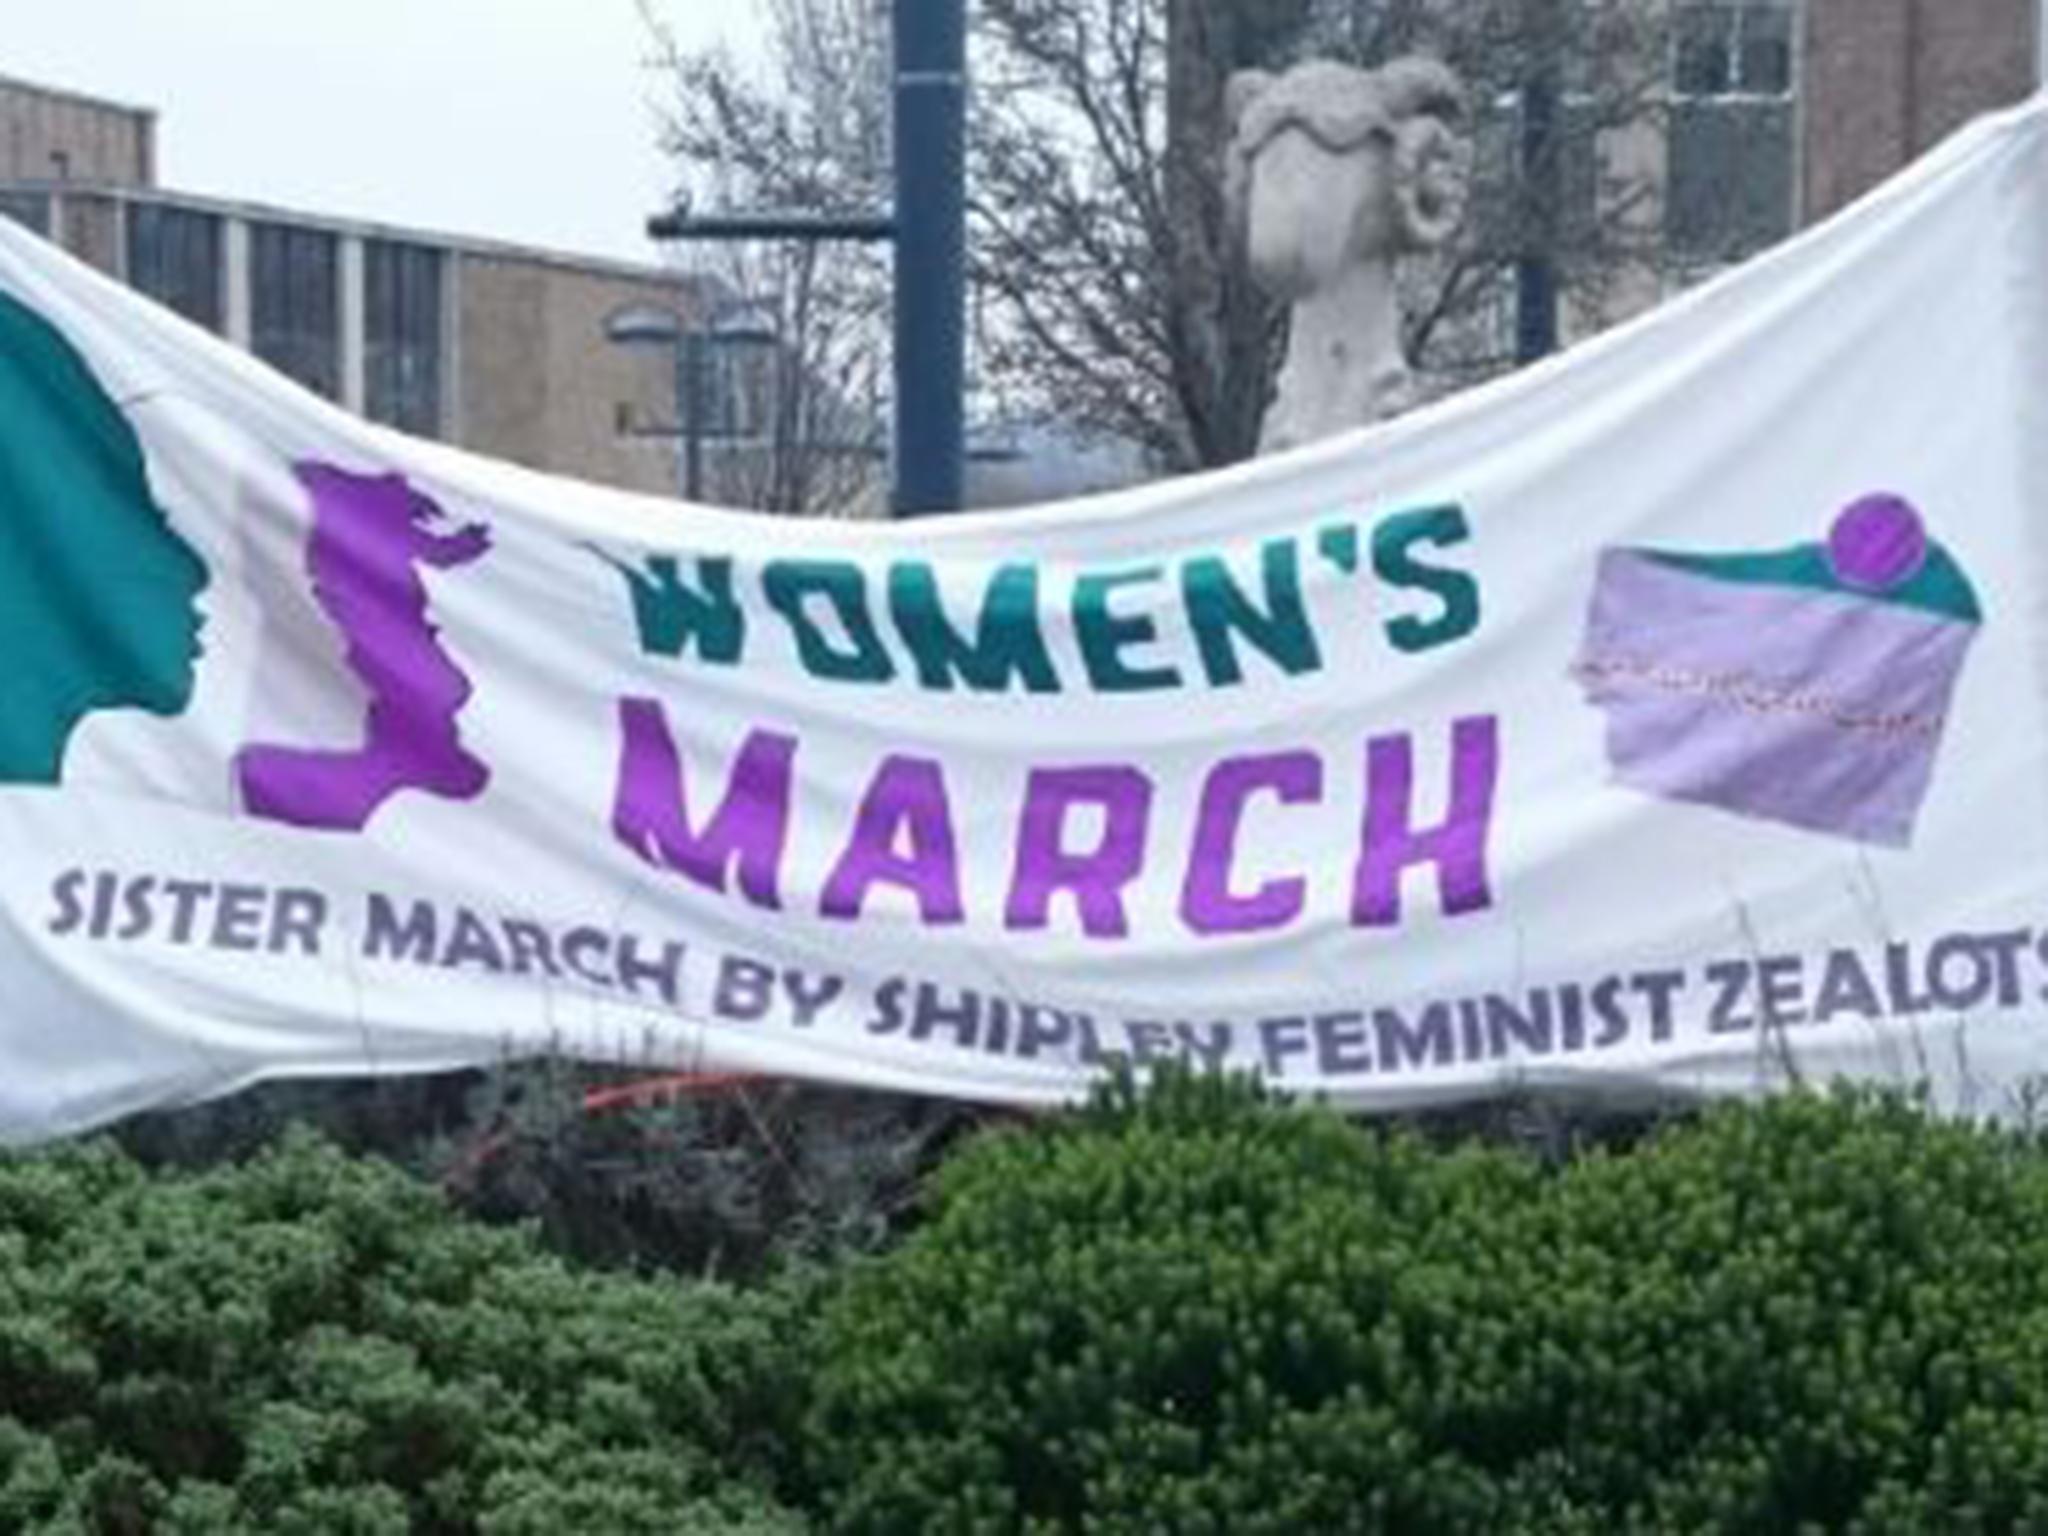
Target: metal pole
[
  {"x": 867, "y": 229},
  {"x": 1536, "y": 268},
  {"x": 690, "y": 353},
  {"x": 2041, "y": 45},
  {"x": 931, "y": 254}
]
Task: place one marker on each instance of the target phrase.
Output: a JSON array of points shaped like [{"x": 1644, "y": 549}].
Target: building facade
[
  {"x": 1768, "y": 115},
  {"x": 1738, "y": 122},
  {"x": 497, "y": 348},
  {"x": 1885, "y": 80},
  {"x": 1784, "y": 111},
  {"x": 52, "y": 135}
]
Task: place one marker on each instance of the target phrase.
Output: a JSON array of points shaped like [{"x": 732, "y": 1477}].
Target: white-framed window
[
  {"x": 1730, "y": 185},
  {"x": 1724, "y": 49}
]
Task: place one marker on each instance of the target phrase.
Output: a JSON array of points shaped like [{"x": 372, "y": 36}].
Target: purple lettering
[
  {"x": 664, "y": 972},
  {"x": 584, "y": 952},
  {"x": 1096, "y": 879},
  {"x": 1207, "y": 904},
  {"x": 1393, "y": 844},
  {"x": 907, "y": 799},
  {"x": 749, "y": 830}
]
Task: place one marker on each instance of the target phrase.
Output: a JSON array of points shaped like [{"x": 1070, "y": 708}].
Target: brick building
[
  {"x": 1782, "y": 111},
  {"x": 1764, "y": 116},
  {"x": 1883, "y": 80},
  {"x": 497, "y": 348}
]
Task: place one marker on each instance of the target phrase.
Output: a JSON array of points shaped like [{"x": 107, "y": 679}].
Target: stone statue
[{"x": 1334, "y": 174}]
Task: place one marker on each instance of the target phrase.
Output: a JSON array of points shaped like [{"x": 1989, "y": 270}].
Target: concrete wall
[
  {"x": 48, "y": 135},
  {"x": 501, "y": 396},
  {"x": 536, "y": 381},
  {"x": 1885, "y": 80},
  {"x": 528, "y": 373}
]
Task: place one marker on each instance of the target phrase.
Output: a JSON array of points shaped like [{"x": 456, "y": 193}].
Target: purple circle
[{"x": 1878, "y": 544}]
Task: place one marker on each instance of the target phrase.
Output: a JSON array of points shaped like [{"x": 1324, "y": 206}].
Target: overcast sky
[{"x": 524, "y": 120}]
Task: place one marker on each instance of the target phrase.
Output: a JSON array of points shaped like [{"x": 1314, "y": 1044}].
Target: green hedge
[
  {"x": 1203, "y": 1313},
  {"x": 1193, "y": 1312},
  {"x": 313, "y": 1344}
]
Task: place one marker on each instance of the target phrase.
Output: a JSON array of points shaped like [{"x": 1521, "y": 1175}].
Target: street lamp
[
  {"x": 928, "y": 228},
  {"x": 731, "y": 327}
]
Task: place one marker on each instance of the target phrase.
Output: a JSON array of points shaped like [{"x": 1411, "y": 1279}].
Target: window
[
  {"x": 1733, "y": 50},
  {"x": 1730, "y": 189},
  {"x": 1763, "y": 51},
  {"x": 402, "y": 335},
  {"x": 739, "y": 387},
  {"x": 29, "y": 209},
  {"x": 174, "y": 257},
  {"x": 295, "y": 303}
]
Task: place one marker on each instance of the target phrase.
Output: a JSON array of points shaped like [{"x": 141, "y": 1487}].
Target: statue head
[
  {"x": 96, "y": 589},
  {"x": 1331, "y": 166}
]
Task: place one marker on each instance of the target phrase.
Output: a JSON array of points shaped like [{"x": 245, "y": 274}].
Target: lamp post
[
  {"x": 1541, "y": 162},
  {"x": 696, "y": 349},
  {"x": 929, "y": 229},
  {"x": 931, "y": 255}
]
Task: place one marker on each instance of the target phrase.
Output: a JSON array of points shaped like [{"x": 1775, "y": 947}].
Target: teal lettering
[
  {"x": 1339, "y": 544},
  {"x": 1008, "y": 645},
  {"x": 671, "y": 616},
  {"x": 1104, "y": 636},
  {"x": 1393, "y": 543},
  {"x": 1221, "y": 613},
  {"x": 791, "y": 584}
]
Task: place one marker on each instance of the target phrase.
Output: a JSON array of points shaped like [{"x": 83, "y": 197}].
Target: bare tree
[
  {"x": 804, "y": 129},
  {"x": 1581, "y": 198},
  {"x": 1108, "y": 285},
  {"x": 1103, "y": 237},
  {"x": 1108, "y": 275}
]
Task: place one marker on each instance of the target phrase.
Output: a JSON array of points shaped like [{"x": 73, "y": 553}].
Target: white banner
[{"x": 1667, "y": 717}]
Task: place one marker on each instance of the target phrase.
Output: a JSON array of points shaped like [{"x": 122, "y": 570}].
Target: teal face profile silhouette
[{"x": 96, "y": 589}]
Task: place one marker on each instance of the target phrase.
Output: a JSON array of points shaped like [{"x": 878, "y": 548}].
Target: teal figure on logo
[{"x": 97, "y": 592}]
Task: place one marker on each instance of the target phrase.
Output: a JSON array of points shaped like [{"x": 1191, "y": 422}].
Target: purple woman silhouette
[{"x": 372, "y": 535}]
